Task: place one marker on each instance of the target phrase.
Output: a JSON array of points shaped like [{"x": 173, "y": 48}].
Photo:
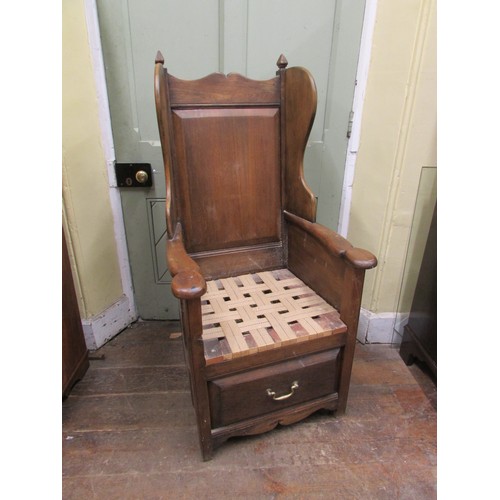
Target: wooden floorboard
[{"x": 129, "y": 433}]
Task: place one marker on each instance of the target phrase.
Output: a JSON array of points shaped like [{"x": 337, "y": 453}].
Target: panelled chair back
[{"x": 269, "y": 299}]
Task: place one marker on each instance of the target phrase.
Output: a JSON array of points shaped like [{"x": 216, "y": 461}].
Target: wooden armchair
[{"x": 269, "y": 299}]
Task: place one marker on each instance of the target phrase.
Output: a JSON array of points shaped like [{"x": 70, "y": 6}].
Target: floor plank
[{"x": 129, "y": 433}]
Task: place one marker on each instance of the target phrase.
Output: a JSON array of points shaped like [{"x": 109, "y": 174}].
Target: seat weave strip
[{"x": 265, "y": 310}]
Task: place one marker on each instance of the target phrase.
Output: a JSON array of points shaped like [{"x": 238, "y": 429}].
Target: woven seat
[{"x": 256, "y": 312}]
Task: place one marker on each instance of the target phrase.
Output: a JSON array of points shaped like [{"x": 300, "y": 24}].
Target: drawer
[{"x": 234, "y": 398}]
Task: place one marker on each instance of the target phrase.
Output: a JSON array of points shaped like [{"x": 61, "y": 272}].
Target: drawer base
[{"x": 265, "y": 423}]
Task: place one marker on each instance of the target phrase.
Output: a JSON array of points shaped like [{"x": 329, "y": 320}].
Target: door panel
[
  {"x": 187, "y": 34},
  {"x": 303, "y": 32},
  {"x": 343, "y": 65},
  {"x": 198, "y": 38}
]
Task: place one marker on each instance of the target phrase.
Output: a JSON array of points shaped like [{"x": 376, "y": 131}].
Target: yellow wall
[
  {"x": 87, "y": 214},
  {"x": 398, "y": 139}
]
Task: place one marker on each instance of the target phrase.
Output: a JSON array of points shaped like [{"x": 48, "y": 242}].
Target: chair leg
[
  {"x": 205, "y": 435},
  {"x": 349, "y": 313},
  {"x": 192, "y": 328}
]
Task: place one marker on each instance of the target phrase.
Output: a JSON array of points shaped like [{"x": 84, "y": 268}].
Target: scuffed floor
[{"x": 129, "y": 433}]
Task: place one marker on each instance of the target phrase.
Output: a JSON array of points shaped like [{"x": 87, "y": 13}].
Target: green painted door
[{"x": 201, "y": 37}]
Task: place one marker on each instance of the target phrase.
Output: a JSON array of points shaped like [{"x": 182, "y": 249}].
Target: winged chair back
[{"x": 231, "y": 146}]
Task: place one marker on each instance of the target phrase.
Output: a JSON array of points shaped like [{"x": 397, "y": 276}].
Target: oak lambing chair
[{"x": 269, "y": 299}]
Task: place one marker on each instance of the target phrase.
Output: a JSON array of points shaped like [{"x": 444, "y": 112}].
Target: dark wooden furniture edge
[
  {"x": 77, "y": 374},
  {"x": 75, "y": 360},
  {"x": 411, "y": 347},
  {"x": 420, "y": 333}
]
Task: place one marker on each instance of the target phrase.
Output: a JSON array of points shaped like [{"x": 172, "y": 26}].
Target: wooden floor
[{"x": 129, "y": 433}]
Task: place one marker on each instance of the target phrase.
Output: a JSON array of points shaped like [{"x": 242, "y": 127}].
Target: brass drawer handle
[{"x": 295, "y": 385}]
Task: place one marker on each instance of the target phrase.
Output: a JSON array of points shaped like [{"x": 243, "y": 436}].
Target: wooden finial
[
  {"x": 159, "y": 58},
  {"x": 282, "y": 63}
]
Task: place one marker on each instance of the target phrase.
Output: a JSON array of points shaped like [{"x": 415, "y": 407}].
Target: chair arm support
[
  {"x": 188, "y": 282},
  {"x": 334, "y": 243}
]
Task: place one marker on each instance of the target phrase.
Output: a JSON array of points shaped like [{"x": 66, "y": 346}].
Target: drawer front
[{"x": 256, "y": 392}]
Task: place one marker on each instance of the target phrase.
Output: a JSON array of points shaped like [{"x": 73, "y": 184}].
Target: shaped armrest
[
  {"x": 188, "y": 285},
  {"x": 188, "y": 282},
  {"x": 334, "y": 243}
]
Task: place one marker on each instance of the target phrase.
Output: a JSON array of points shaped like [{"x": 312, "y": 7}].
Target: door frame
[
  {"x": 97, "y": 61},
  {"x": 365, "y": 50},
  {"x": 109, "y": 150}
]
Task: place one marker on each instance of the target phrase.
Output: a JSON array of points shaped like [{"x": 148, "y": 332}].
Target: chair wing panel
[
  {"x": 164, "y": 126},
  {"x": 228, "y": 174},
  {"x": 300, "y": 109}
]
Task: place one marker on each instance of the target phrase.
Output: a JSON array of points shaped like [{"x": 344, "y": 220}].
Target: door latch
[
  {"x": 349, "y": 124},
  {"x": 133, "y": 174}
]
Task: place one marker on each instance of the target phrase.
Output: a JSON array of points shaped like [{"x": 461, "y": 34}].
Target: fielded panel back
[
  {"x": 229, "y": 144},
  {"x": 228, "y": 176}
]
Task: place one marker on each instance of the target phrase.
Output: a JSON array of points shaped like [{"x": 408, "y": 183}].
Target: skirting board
[
  {"x": 381, "y": 328},
  {"x": 103, "y": 327}
]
